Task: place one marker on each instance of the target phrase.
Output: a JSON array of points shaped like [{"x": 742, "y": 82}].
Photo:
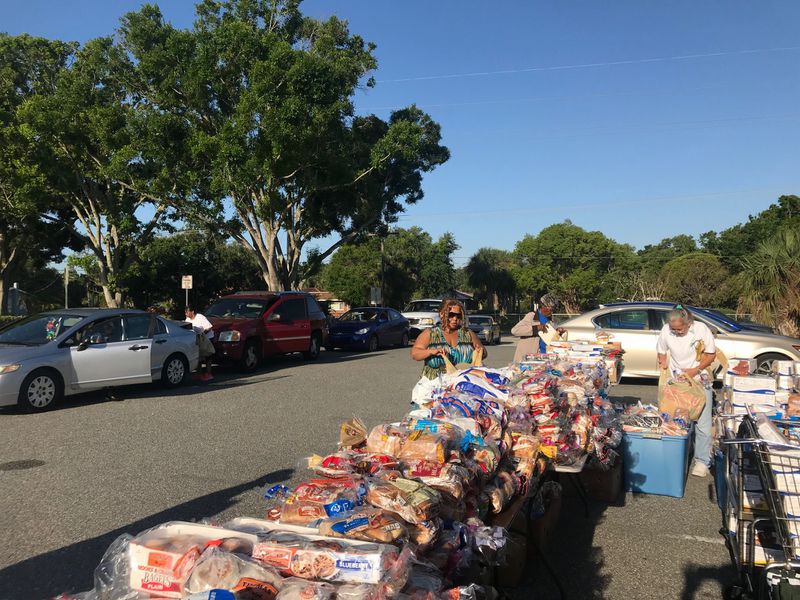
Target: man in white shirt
[
  {"x": 202, "y": 325},
  {"x": 683, "y": 337}
]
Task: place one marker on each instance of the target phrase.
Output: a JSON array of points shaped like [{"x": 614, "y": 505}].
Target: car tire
[
  {"x": 404, "y": 341},
  {"x": 251, "y": 357},
  {"x": 313, "y": 348},
  {"x": 373, "y": 345},
  {"x": 175, "y": 371},
  {"x": 41, "y": 390},
  {"x": 764, "y": 362}
]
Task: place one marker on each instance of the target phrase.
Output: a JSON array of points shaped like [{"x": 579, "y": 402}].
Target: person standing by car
[
  {"x": 691, "y": 349},
  {"x": 452, "y": 339},
  {"x": 531, "y": 325},
  {"x": 203, "y": 327}
]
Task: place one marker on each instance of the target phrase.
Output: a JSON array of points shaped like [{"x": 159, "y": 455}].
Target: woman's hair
[
  {"x": 445, "y": 307},
  {"x": 680, "y": 312}
]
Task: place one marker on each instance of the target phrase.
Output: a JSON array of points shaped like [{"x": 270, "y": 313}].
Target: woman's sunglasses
[{"x": 455, "y": 315}]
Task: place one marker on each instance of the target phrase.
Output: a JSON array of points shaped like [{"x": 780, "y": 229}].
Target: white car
[
  {"x": 64, "y": 352},
  {"x": 421, "y": 315}
]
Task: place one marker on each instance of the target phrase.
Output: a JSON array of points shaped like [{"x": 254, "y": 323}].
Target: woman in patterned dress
[{"x": 452, "y": 338}]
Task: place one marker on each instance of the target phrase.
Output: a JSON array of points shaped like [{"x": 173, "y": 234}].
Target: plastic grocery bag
[
  {"x": 681, "y": 398},
  {"x": 424, "y": 390}
]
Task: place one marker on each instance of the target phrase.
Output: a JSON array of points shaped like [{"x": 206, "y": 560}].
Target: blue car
[{"x": 369, "y": 328}]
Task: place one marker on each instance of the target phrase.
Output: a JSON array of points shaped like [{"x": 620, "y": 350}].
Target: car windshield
[
  {"x": 239, "y": 308},
  {"x": 423, "y": 306},
  {"x": 360, "y": 314},
  {"x": 480, "y": 320},
  {"x": 38, "y": 330},
  {"x": 727, "y": 323}
]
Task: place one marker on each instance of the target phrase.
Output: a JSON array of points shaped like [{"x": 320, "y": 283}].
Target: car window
[
  {"x": 423, "y": 306},
  {"x": 633, "y": 320},
  {"x": 394, "y": 315},
  {"x": 137, "y": 327},
  {"x": 239, "y": 308},
  {"x": 314, "y": 309},
  {"x": 103, "y": 331},
  {"x": 161, "y": 327},
  {"x": 293, "y": 309},
  {"x": 480, "y": 320},
  {"x": 364, "y": 314},
  {"x": 38, "y": 329}
]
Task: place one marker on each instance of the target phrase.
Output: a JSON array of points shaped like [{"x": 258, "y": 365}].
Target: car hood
[
  {"x": 350, "y": 326},
  {"x": 421, "y": 315},
  {"x": 226, "y": 323},
  {"x": 10, "y": 354}
]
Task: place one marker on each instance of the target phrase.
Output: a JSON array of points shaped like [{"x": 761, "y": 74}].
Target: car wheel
[
  {"x": 404, "y": 341},
  {"x": 313, "y": 349},
  {"x": 765, "y": 361},
  {"x": 175, "y": 371},
  {"x": 41, "y": 390},
  {"x": 372, "y": 345},
  {"x": 251, "y": 357}
]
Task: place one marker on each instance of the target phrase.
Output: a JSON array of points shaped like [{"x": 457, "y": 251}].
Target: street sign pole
[{"x": 186, "y": 284}]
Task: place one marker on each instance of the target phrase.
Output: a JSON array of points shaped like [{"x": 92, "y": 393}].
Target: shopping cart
[{"x": 777, "y": 466}]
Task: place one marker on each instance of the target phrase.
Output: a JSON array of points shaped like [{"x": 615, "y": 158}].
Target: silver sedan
[
  {"x": 64, "y": 352},
  {"x": 636, "y": 326}
]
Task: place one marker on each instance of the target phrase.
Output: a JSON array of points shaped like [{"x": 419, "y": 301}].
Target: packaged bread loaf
[
  {"x": 413, "y": 501},
  {"x": 367, "y": 523},
  {"x": 386, "y": 439},
  {"x": 321, "y": 498},
  {"x": 424, "y": 445}
]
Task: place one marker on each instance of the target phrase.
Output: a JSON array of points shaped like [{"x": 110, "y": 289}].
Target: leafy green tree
[
  {"x": 770, "y": 281},
  {"x": 109, "y": 158},
  {"x": 699, "y": 278},
  {"x": 31, "y": 233},
  {"x": 268, "y": 93},
  {"x": 574, "y": 264},
  {"x": 353, "y": 270},
  {"x": 490, "y": 275},
  {"x": 653, "y": 257},
  {"x": 437, "y": 273},
  {"x": 736, "y": 243}
]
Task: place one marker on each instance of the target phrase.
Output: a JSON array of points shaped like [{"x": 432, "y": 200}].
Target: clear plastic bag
[
  {"x": 217, "y": 569},
  {"x": 367, "y": 524},
  {"x": 412, "y": 500}
]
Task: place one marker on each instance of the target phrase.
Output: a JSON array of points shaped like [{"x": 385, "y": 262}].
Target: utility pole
[
  {"x": 383, "y": 271},
  {"x": 66, "y": 286}
]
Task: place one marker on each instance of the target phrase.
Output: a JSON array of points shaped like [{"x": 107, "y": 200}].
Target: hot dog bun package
[{"x": 161, "y": 559}]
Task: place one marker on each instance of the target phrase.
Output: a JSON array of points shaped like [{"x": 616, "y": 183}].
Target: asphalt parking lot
[{"x": 75, "y": 478}]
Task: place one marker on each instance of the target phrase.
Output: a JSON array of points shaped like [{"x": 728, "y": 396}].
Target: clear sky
[{"x": 640, "y": 119}]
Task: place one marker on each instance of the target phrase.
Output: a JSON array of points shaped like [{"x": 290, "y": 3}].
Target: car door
[
  {"x": 288, "y": 327},
  {"x": 100, "y": 356},
  {"x": 161, "y": 347},
  {"x": 637, "y": 331},
  {"x": 398, "y": 325}
]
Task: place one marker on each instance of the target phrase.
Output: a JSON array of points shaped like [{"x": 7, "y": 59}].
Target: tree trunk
[{"x": 3, "y": 288}]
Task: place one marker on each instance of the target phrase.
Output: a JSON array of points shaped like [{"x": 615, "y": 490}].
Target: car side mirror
[
  {"x": 82, "y": 346},
  {"x": 274, "y": 317}
]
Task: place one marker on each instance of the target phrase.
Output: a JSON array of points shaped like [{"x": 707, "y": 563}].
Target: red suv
[{"x": 251, "y": 325}]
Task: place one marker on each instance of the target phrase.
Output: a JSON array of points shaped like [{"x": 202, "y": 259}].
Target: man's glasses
[{"x": 455, "y": 315}]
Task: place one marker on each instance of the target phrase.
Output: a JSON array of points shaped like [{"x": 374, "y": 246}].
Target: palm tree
[{"x": 770, "y": 281}]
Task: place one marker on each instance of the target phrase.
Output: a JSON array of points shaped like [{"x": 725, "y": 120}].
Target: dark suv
[{"x": 251, "y": 325}]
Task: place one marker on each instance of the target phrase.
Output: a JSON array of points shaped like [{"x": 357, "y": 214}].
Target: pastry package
[
  {"x": 426, "y": 533},
  {"x": 161, "y": 559},
  {"x": 450, "y": 478},
  {"x": 413, "y": 501},
  {"x": 295, "y": 588},
  {"x": 367, "y": 524},
  {"x": 321, "y": 498},
  {"x": 216, "y": 569},
  {"x": 501, "y": 490},
  {"x": 326, "y": 559},
  {"x": 386, "y": 439},
  {"x": 424, "y": 445}
]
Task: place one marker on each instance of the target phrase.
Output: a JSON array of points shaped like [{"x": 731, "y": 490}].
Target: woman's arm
[
  {"x": 420, "y": 350},
  {"x": 527, "y": 326}
]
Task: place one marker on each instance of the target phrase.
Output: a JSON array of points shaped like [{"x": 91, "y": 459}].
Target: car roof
[
  {"x": 260, "y": 294},
  {"x": 88, "y": 312}
]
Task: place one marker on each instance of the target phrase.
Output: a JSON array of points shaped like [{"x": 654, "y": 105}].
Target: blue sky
[{"x": 639, "y": 119}]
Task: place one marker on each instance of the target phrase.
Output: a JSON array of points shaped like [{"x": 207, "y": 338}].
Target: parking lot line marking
[{"x": 696, "y": 538}]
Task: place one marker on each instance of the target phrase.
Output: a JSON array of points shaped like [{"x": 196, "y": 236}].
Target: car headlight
[
  {"x": 8, "y": 368},
  {"x": 362, "y": 331},
  {"x": 426, "y": 321},
  {"x": 487, "y": 330},
  {"x": 230, "y": 336}
]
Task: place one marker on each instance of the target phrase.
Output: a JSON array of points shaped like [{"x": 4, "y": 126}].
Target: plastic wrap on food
[
  {"x": 161, "y": 559},
  {"x": 386, "y": 439},
  {"x": 88, "y": 595},
  {"x": 359, "y": 591},
  {"x": 424, "y": 445},
  {"x": 352, "y": 434},
  {"x": 413, "y": 501},
  {"x": 524, "y": 446},
  {"x": 489, "y": 544},
  {"x": 216, "y": 569},
  {"x": 450, "y": 431},
  {"x": 367, "y": 524},
  {"x": 295, "y": 588},
  {"x": 423, "y": 576},
  {"x": 340, "y": 464},
  {"x": 450, "y": 478},
  {"x": 469, "y": 592},
  {"x": 321, "y": 498},
  {"x": 325, "y": 559},
  {"x": 501, "y": 490},
  {"x": 370, "y": 464},
  {"x": 426, "y": 533}
]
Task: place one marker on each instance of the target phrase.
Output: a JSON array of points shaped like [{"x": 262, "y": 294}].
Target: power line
[{"x": 634, "y": 61}]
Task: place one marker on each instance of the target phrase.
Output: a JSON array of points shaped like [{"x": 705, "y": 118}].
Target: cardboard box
[
  {"x": 742, "y": 366},
  {"x": 754, "y": 389},
  {"x": 783, "y": 367}
]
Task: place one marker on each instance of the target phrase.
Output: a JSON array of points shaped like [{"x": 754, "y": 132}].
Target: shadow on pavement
[
  {"x": 71, "y": 568},
  {"x": 696, "y": 575}
]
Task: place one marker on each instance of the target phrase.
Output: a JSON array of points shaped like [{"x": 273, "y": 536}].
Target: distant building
[{"x": 329, "y": 303}]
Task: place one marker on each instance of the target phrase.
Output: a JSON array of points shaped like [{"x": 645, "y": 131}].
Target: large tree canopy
[{"x": 267, "y": 93}]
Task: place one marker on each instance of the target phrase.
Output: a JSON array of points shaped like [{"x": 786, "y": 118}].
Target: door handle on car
[
  {"x": 136, "y": 347},
  {"x": 161, "y": 341}
]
